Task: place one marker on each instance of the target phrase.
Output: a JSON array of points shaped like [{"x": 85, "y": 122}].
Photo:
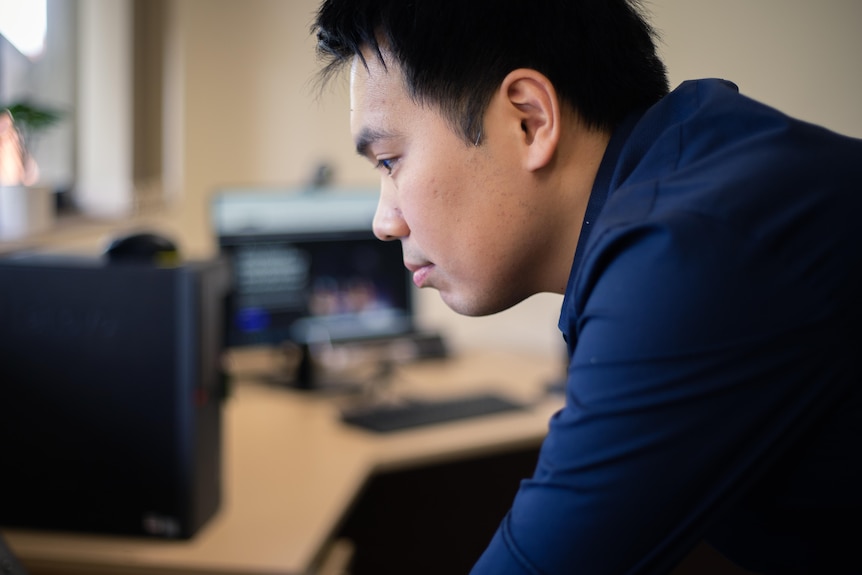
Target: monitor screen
[{"x": 307, "y": 267}]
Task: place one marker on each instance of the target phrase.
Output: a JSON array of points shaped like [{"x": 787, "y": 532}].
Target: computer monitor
[{"x": 308, "y": 268}]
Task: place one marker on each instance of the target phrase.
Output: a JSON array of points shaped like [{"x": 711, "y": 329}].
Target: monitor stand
[{"x": 352, "y": 364}]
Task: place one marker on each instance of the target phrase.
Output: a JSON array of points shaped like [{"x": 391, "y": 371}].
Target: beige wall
[
  {"x": 243, "y": 108},
  {"x": 247, "y": 103},
  {"x": 800, "y": 56}
]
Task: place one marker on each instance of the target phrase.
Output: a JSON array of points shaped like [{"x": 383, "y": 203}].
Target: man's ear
[{"x": 533, "y": 102}]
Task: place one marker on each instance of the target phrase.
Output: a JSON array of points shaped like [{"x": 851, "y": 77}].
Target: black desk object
[
  {"x": 110, "y": 402},
  {"x": 414, "y": 413}
]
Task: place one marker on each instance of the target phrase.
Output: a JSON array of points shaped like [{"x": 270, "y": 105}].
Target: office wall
[
  {"x": 242, "y": 93},
  {"x": 104, "y": 183},
  {"x": 802, "y": 57},
  {"x": 244, "y": 110}
]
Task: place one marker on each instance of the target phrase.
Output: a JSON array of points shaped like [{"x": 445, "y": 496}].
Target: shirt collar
[{"x": 598, "y": 197}]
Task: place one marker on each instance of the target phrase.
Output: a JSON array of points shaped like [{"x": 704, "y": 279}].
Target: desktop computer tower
[{"x": 111, "y": 390}]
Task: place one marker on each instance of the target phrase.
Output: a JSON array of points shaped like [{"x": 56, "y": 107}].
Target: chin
[{"x": 473, "y": 306}]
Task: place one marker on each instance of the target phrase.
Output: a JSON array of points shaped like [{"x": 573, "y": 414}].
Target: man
[{"x": 704, "y": 245}]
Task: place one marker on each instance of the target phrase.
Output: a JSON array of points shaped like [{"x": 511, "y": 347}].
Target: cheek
[
  {"x": 431, "y": 203},
  {"x": 437, "y": 222},
  {"x": 449, "y": 206}
]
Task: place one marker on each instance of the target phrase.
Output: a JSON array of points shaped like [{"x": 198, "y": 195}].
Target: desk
[{"x": 292, "y": 471}]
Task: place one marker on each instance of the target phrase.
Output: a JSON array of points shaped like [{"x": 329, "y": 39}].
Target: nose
[{"x": 389, "y": 222}]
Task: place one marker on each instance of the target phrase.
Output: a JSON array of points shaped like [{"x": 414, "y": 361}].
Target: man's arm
[{"x": 692, "y": 375}]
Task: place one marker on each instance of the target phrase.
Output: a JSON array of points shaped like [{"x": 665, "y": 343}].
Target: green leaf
[{"x": 33, "y": 118}]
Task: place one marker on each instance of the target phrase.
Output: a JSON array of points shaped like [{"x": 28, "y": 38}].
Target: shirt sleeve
[{"x": 690, "y": 378}]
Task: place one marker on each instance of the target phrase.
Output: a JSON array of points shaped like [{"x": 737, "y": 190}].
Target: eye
[{"x": 386, "y": 164}]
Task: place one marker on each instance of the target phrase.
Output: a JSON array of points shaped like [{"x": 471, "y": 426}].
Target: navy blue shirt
[{"x": 712, "y": 317}]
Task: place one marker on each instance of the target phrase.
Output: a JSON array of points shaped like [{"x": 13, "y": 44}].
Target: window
[{"x": 23, "y": 23}]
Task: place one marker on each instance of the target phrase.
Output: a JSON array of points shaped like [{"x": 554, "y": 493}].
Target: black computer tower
[{"x": 111, "y": 391}]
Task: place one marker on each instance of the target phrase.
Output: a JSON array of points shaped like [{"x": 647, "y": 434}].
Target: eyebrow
[{"x": 368, "y": 136}]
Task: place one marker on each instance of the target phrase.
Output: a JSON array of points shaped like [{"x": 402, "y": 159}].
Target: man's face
[{"x": 465, "y": 214}]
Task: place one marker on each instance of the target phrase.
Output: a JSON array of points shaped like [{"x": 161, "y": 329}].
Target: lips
[{"x": 420, "y": 272}]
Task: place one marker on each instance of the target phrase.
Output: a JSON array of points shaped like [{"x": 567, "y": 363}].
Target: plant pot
[{"x": 25, "y": 211}]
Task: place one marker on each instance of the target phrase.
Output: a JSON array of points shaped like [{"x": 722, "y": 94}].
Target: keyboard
[{"x": 387, "y": 418}]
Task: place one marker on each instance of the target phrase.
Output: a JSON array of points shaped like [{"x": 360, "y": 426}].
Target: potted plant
[{"x": 25, "y": 208}]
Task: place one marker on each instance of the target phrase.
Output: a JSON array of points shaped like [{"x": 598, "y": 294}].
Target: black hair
[{"x": 599, "y": 54}]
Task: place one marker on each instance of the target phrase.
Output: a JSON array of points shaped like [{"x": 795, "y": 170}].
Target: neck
[{"x": 580, "y": 154}]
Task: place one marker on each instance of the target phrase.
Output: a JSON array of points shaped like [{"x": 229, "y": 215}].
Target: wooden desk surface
[{"x": 292, "y": 471}]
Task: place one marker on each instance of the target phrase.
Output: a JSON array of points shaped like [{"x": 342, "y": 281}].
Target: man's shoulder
[{"x": 707, "y": 134}]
